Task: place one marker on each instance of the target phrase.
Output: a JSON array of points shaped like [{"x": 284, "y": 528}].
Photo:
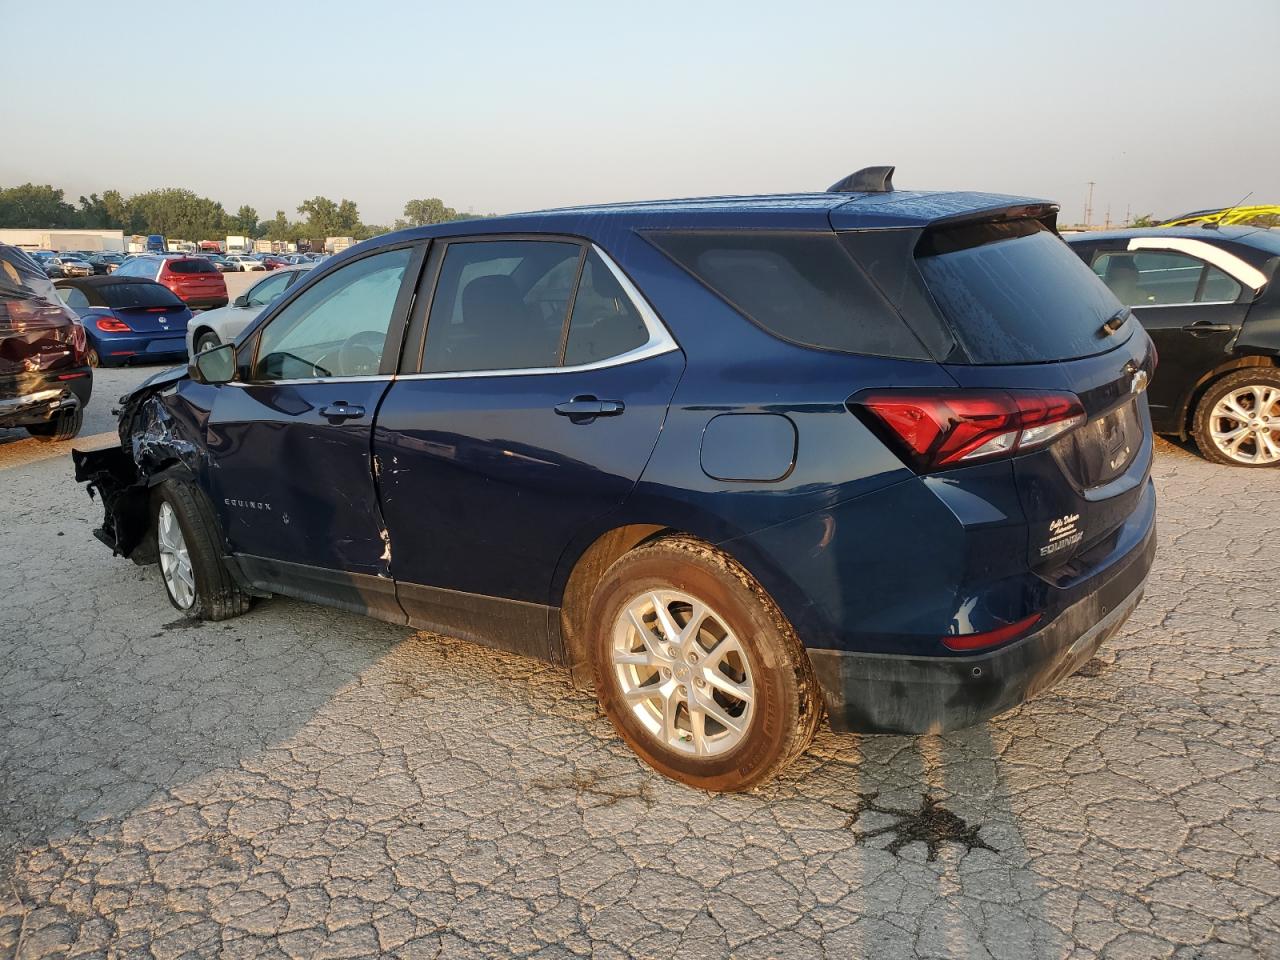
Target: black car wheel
[
  {"x": 697, "y": 668},
  {"x": 62, "y": 427},
  {"x": 1237, "y": 421},
  {"x": 195, "y": 578}
]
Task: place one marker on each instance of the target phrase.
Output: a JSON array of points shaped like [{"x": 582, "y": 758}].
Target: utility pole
[
  {"x": 1088, "y": 206},
  {"x": 1106, "y": 224},
  {"x": 1128, "y": 215}
]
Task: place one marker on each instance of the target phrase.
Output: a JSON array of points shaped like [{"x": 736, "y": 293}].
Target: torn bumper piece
[
  {"x": 112, "y": 475},
  {"x": 884, "y": 693}
]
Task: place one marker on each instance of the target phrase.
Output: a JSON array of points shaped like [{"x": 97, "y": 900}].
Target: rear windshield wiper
[{"x": 1115, "y": 322}]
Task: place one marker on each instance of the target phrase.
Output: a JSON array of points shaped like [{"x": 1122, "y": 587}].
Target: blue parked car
[
  {"x": 739, "y": 462},
  {"x": 128, "y": 319}
]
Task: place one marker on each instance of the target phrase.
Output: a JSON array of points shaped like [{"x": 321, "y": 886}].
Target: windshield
[{"x": 1014, "y": 292}]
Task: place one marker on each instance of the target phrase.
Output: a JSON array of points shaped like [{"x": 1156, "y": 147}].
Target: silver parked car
[{"x": 213, "y": 327}]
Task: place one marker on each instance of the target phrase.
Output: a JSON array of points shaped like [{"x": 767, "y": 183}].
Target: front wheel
[
  {"x": 207, "y": 341},
  {"x": 698, "y": 669},
  {"x": 195, "y": 578},
  {"x": 1237, "y": 421}
]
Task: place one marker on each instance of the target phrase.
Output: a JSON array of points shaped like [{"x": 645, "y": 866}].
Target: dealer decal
[{"x": 1063, "y": 533}]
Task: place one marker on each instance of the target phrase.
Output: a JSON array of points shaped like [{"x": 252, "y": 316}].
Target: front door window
[{"x": 336, "y": 328}]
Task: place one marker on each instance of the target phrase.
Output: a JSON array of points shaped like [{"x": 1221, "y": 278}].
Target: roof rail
[{"x": 866, "y": 180}]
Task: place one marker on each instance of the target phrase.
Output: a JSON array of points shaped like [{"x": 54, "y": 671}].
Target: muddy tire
[
  {"x": 62, "y": 427},
  {"x": 1237, "y": 420},
  {"x": 195, "y": 578},
  {"x": 697, "y": 668}
]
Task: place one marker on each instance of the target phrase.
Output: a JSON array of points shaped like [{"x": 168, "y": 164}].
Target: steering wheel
[{"x": 361, "y": 354}]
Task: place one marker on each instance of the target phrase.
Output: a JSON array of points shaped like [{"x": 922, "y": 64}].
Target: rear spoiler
[{"x": 919, "y": 210}]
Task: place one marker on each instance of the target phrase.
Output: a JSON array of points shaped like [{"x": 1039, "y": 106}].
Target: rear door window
[
  {"x": 1149, "y": 278},
  {"x": 1014, "y": 292},
  {"x": 500, "y": 305},
  {"x": 801, "y": 287}
]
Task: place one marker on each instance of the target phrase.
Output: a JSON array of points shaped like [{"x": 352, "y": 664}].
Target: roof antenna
[
  {"x": 1222, "y": 215},
  {"x": 866, "y": 180}
]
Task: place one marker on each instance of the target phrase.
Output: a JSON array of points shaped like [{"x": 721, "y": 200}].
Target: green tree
[
  {"x": 322, "y": 217},
  {"x": 177, "y": 213},
  {"x": 1146, "y": 220},
  {"x": 419, "y": 213},
  {"x": 280, "y": 228},
  {"x": 244, "y": 223},
  {"x": 32, "y": 205}
]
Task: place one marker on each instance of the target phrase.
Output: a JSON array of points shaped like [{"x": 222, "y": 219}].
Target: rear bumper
[
  {"x": 141, "y": 348},
  {"x": 888, "y": 693},
  {"x": 41, "y": 402}
]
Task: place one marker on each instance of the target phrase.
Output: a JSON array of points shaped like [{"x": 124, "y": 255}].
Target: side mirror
[
  {"x": 214, "y": 366},
  {"x": 241, "y": 301}
]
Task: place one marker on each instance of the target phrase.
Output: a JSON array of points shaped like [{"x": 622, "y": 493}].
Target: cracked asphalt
[{"x": 305, "y": 783}]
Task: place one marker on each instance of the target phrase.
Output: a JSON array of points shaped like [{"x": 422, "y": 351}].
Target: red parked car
[
  {"x": 274, "y": 262},
  {"x": 194, "y": 280},
  {"x": 45, "y": 380}
]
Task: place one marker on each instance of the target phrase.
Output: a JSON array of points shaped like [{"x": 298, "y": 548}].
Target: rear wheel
[
  {"x": 91, "y": 355},
  {"x": 195, "y": 578},
  {"x": 1237, "y": 421},
  {"x": 62, "y": 427},
  {"x": 698, "y": 669}
]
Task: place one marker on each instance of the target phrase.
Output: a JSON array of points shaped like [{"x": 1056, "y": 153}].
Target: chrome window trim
[
  {"x": 288, "y": 383},
  {"x": 660, "y": 340}
]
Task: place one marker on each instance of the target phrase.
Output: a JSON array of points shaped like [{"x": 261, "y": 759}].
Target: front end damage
[{"x": 154, "y": 444}]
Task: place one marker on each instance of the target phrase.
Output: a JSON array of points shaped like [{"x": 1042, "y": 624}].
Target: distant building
[{"x": 53, "y": 239}]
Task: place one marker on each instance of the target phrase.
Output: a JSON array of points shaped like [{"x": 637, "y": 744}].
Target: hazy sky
[{"x": 493, "y": 106}]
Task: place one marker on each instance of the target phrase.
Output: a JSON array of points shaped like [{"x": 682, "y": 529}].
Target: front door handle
[
  {"x": 1206, "y": 326},
  {"x": 341, "y": 410},
  {"x": 581, "y": 409}
]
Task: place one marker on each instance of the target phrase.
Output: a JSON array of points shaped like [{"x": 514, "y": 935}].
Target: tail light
[
  {"x": 936, "y": 429},
  {"x": 109, "y": 324},
  {"x": 989, "y": 638}
]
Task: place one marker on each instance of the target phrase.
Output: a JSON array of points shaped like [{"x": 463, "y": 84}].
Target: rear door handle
[
  {"x": 341, "y": 410},
  {"x": 1205, "y": 326},
  {"x": 588, "y": 408}
]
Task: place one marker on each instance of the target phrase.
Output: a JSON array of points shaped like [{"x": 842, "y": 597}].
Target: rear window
[
  {"x": 192, "y": 266},
  {"x": 125, "y": 295},
  {"x": 1014, "y": 292},
  {"x": 802, "y": 287}
]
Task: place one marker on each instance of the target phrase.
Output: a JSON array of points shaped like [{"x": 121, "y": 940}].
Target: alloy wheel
[
  {"x": 1245, "y": 424},
  {"x": 683, "y": 673},
  {"x": 175, "y": 561}
]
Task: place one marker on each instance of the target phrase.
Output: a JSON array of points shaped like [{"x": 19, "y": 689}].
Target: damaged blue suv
[{"x": 738, "y": 462}]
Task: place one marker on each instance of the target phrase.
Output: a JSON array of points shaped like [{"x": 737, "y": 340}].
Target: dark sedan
[{"x": 1207, "y": 298}]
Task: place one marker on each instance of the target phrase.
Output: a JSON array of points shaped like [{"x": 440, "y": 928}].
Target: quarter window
[
  {"x": 338, "y": 327},
  {"x": 605, "y": 323},
  {"x": 73, "y": 298},
  {"x": 802, "y": 287},
  {"x": 1160, "y": 278},
  {"x": 500, "y": 305}
]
